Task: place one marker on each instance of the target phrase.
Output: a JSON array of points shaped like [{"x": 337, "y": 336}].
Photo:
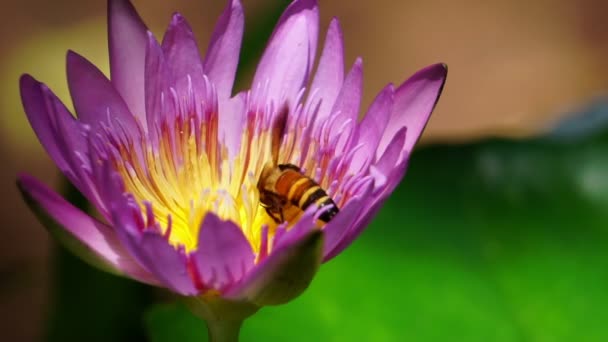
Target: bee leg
[
  {"x": 273, "y": 203},
  {"x": 272, "y": 214}
]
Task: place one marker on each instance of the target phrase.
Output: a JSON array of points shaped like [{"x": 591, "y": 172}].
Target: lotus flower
[{"x": 170, "y": 159}]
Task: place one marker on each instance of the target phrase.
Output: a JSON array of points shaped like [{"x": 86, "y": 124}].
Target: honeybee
[{"x": 285, "y": 191}]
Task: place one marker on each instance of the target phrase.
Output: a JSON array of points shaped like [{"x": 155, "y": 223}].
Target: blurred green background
[{"x": 498, "y": 232}]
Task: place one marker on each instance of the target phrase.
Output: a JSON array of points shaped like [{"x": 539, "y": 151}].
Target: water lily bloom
[{"x": 171, "y": 159}]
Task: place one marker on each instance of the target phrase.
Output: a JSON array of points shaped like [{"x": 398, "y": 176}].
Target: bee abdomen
[
  {"x": 302, "y": 192},
  {"x": 319, "y": 197}
]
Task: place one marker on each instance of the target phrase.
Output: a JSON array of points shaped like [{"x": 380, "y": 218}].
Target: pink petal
[
  {"x": 373, "y": 205},
  {"x": 330, "y": 72},
  {"x": 167, "y": 263},
  {"x": 289, "y": 56},
  {"x": 337, "y": 228},
  {"x": 284, "y": 274},
  {"x": 44, "y": 112},
  {"x": 224, "y": 255},
  {"x": 157, "y": 84},
  {"x": 232, "y": 123},
  {"x": 286, "y": 236},
  {"x": 415, "y": 100},
  {"x": 347, "y": 105},
  {"x": 60, "y": 134},
  {"x": 372, "y": 127},
  {"x": 394, "y": 153},
  {"x": 358, "y": 227},
  {"x": 182, "y": 55},
  {"x": 127, "y": 44},
  {"x": 142, "y": 238},
  {"x": 222, "y": 55},
  {"x": 83, "y": 233},
  {"x": 95, "y": 99}
]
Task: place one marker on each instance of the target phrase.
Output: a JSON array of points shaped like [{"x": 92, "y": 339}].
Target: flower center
[{"x": 181, "y": 168}]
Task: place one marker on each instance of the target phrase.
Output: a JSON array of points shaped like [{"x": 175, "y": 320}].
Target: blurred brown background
[{"x": 514, "y": 66}]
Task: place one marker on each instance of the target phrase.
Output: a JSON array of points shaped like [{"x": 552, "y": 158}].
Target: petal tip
[
  {"x": 74, "y": 58},
  {"x": 27, "y": 79},
  {"x": 358, "y": 62},
  {"x": 23, "y": 182},
  {"x": 177, "y": 19},
  {"x": 436, "y": 71},
  {"x": 28, "y": 87},
  {"x": 235, "y": 4}
]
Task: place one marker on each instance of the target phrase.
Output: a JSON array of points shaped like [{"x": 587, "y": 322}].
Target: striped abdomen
[{"x": 302, "y": 191}]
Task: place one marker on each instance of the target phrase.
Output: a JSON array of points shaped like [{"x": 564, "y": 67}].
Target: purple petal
[
  {"x": 347, "y": 104},
  {"x": 94, "y": 97},
  {"x": 337, "y": 228},
  {"x": 289, "y": 56},
  {"x": 182, "y": 55},
  {"x": 415, "y": 100},
  {"x": 143, "y": 239},
  {"x": 44, "y": 110},
  {"x": 395, "y": 177},
  {"x": 158, "y": 82},
  {"x": 284, "y": 274},
  {"x": 222, "y": 55},
  {"x": 330, "y": 72},
  {"x": 167, "y": 263},
  {"x": 357, "y": 228},
  {"x": 373, "y": 205},
  {"x": 393, "y": 154},
  {"x": 224, "y": 255},
  {"x": 87, "y": 237},
  {"x": 59, "y": 132},
  {"x": 372, "y": 127},
  {"x": 232, "y": 123},
  {"x": 127, "y": 44},
  {"x": 285, "y": 236}
]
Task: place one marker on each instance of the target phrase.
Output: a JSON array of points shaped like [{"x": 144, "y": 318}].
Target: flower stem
[{"x": 224, "y": 331}]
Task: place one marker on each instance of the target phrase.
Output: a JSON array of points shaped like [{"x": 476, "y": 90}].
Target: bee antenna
[{"x": 278, "y": 132}]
